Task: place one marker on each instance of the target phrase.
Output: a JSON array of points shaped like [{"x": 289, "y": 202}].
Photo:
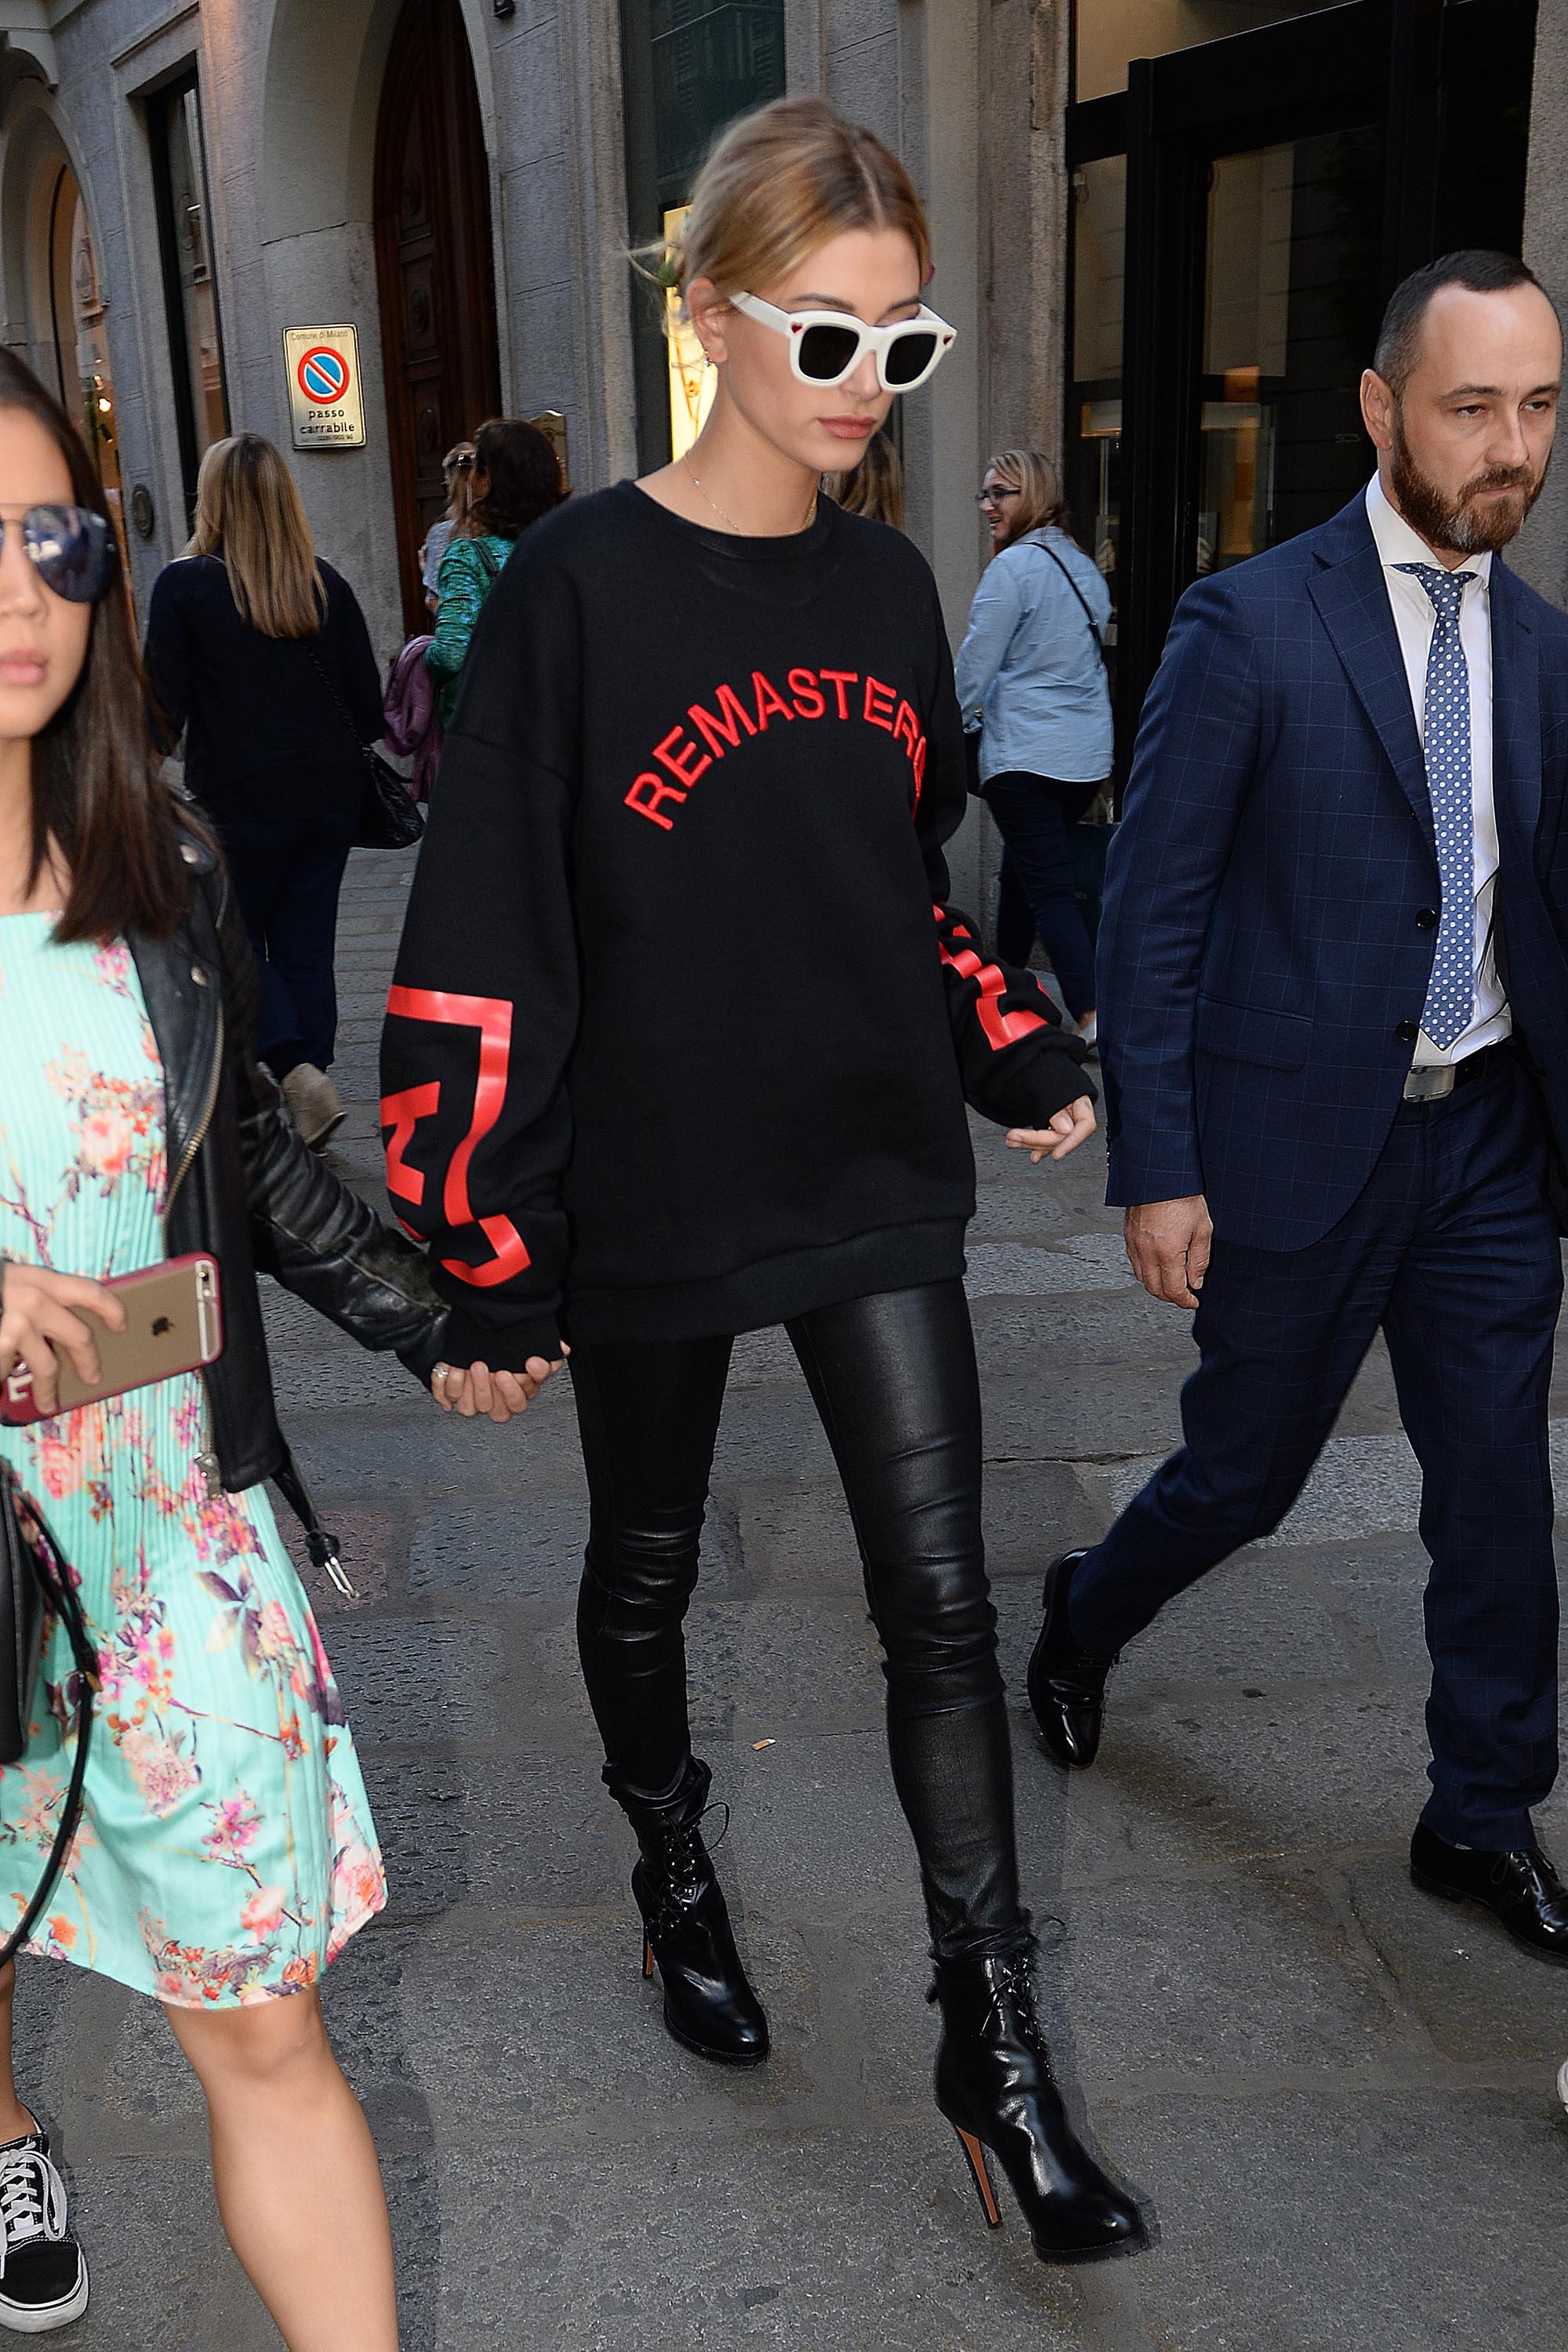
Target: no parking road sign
[{"x": 324, "y": 403}]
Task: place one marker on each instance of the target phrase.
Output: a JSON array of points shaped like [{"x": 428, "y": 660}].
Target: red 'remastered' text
[{"x": 710, "y": 733}]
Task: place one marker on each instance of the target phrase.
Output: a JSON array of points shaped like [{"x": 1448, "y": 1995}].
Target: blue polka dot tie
[{"x": 1451, "y": 992}]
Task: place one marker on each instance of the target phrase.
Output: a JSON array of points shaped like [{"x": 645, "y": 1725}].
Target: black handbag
[
  {"x": 34, "y": 1581},
  {"x": 389, "y": 815}
]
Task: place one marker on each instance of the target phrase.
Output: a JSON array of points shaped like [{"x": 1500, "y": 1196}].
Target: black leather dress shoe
[
  {"x": 1521, "y": 1887},
  {"x": 1066, "y": 1684}
]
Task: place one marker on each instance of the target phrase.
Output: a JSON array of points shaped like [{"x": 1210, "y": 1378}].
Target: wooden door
[{"x": 435, "y": 270}]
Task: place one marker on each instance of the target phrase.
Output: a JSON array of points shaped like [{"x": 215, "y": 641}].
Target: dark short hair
[
  {"x": 1476, "y": 269},
  {"x": 525, "y": 477}
]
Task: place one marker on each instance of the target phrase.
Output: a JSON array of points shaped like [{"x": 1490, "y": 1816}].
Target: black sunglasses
[{"x": 71, "y": 549}]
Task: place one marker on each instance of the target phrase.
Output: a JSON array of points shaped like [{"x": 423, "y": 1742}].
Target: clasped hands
[
  {"x": 474, "y": 1389},
  {"x": 1061, "y": 1135}
]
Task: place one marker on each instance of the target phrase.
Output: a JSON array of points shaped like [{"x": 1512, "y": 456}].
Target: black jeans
[
  {"x": 894, "y": 1380},
  {"x": 286, "y": 878},
  {"x": 1034, "y": 815}
]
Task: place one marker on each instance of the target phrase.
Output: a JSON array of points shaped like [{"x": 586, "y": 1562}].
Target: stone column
[{"x": 1540, "y": 553}]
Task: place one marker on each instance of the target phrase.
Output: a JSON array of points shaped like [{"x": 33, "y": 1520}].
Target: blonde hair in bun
[{"x": 779, "y": 183}]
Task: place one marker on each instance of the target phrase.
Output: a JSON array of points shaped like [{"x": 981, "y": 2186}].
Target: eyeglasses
[
  {"x": 71, "y": 549},
  {"x": 994, "y": 497},
  {"x": 826, "y": 347}
]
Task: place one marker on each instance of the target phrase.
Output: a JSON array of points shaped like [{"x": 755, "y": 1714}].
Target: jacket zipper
[
  {"x": 207, "y": 1462},
  {"x": 200, "y": 1135}
]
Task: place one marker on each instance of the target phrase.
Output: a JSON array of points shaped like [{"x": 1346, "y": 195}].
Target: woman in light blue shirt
[{"x": 1032, "y": 669}]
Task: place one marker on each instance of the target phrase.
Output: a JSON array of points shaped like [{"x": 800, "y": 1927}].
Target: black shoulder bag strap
[
  {"x": 321, "y": 1546},
  {"x": 54, "y": 1577},
  {"x": 320, "y": 667},
  {"x": 1082, "y": 600}
]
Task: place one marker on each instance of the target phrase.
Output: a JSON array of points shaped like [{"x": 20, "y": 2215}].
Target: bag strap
[
  {"x": 318, "y": 666},
  {"x": 60, "y": 1593},
  {"x": 493, "y": 568},
  {"x": 1078, "y": 592},
  {"x": 321, "y": 1546}
]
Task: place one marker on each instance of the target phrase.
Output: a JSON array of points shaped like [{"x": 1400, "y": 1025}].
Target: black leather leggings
[{"x": 894, "y": 1380}]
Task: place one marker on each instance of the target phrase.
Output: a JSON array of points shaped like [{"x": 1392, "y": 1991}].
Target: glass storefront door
[
  {"x": 1289, "y": 315},
  {"x": 688, "y": 66},
  {"x": 190, "y": 284},
  {"x": 1240, "y": 212}
]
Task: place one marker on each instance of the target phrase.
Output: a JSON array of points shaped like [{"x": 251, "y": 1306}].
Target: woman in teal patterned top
[
  {"x": 515, "y": 479},
  {"x": 226, "y": 1852}
]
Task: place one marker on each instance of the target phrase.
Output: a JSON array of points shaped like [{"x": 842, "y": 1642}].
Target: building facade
[{"x": 1163, "y": 229}]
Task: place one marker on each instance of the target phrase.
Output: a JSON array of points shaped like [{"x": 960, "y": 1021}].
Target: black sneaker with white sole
[{"x": 43, "y": 2271}]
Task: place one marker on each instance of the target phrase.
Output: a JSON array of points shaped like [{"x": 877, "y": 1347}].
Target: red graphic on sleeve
[
  {"x": 402, "y": 1113},
  {"x": 705, "y": 736},
  {"x": 491, "y": 1016},
  {"x": 1002, "y": 1028}
]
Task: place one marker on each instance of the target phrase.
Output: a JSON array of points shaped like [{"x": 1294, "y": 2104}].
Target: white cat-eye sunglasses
[{"x": 826, "y": 347}]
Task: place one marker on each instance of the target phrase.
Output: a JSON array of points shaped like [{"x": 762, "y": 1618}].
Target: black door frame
[{"x": 1379, "y": 61}]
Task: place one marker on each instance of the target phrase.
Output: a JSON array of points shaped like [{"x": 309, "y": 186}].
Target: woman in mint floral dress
[{"x": 227, "y": 1851}]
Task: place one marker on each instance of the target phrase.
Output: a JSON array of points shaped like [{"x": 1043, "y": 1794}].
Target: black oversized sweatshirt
[{"x": 683, "y": 1023}]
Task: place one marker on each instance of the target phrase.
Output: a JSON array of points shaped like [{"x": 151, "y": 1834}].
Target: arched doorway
[
  {"x": 68, "y": 331},
  {"x": 434, "y": 267}
]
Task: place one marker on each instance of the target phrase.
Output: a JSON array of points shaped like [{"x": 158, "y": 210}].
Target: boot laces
[
  {"x": 32, "y": 2200},
  {"x": 1010, "y": 2005},
  {"x": 683, "y": 1860}
]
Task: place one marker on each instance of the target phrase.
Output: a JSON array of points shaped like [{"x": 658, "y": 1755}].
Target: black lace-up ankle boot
[
  {"x": 994, "y": 2084},
  {"x": 709, "y": 2004}
]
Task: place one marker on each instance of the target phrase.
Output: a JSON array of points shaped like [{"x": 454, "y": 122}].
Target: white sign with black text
[{"x": 324, "y": 403}]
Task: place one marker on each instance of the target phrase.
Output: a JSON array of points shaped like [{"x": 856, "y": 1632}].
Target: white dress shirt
[{"x": 1415, "y": 619}]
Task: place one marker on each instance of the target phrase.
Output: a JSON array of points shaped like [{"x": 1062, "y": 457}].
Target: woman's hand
[
  {"x": 478, "y": 1390},
  {"x": 40, "y": 1321},
  {"x": 1065, "y": 1133}
]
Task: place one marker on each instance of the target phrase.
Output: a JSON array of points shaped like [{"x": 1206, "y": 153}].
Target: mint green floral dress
[{"x": 226, "y": 1852}]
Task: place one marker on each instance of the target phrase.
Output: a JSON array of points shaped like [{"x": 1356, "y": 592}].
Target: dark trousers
[
  {"x": 895, "y": 1383},
  {"x": 1034, "y": 816},
  {"x": 1453, "y": 1250},
  {"x": 286, "y": 878}
]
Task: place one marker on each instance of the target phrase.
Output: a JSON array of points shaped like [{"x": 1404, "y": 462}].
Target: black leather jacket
[{"x": 242, "y": 1185}]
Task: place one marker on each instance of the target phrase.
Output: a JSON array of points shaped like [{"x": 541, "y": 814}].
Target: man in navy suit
[{"x": 1333, "y": 993}]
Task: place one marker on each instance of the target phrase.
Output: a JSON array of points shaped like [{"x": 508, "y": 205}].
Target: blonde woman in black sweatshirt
[{"x": 679, "y": 1044}]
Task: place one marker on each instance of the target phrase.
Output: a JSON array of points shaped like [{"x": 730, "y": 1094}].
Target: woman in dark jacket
[
  {"x": 260, "y": 654},
  {"x": 226, "y": 1852}
]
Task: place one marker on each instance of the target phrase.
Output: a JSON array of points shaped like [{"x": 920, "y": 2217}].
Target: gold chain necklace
[{"x": 734, "y": 526}]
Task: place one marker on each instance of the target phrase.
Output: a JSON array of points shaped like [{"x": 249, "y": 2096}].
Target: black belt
[{"x": 1437, "y": 1084}]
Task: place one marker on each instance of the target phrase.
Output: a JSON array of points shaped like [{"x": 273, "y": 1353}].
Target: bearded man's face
[{"x": 1467, "y": 434}]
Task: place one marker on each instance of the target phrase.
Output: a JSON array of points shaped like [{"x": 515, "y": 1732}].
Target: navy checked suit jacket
[{"x": 1260, "y": 952}]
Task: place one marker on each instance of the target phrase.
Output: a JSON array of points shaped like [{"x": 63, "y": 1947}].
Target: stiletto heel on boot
[
  {"x": 976, "y": 2155},
  {"x": 994, "y": 2084},
  {"x": 709, "y": 2007}
]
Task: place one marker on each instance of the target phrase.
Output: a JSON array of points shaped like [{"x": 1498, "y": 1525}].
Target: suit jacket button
[
  {"x": 1408, "y": 1031},
  {"x": 1427, "y": 919}
]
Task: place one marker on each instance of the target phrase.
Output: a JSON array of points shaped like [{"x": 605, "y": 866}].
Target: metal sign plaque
[{"x": 324, "y": 402}]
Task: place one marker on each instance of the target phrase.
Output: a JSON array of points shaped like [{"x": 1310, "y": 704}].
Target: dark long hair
[
  {"x": 97, "y": 796},
  {"x": 524, "y": 477}
]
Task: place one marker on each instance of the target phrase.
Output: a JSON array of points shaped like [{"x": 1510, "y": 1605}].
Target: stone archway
[
  {"x": 325, "y": 75},
  {"x": 54, "y": 304}
]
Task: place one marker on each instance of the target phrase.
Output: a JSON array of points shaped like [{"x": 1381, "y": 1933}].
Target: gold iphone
[{"x": 173, "y": 1323}]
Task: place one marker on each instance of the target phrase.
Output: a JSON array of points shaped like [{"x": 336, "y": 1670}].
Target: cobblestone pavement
[{"x": 1336, "y": 2095}]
